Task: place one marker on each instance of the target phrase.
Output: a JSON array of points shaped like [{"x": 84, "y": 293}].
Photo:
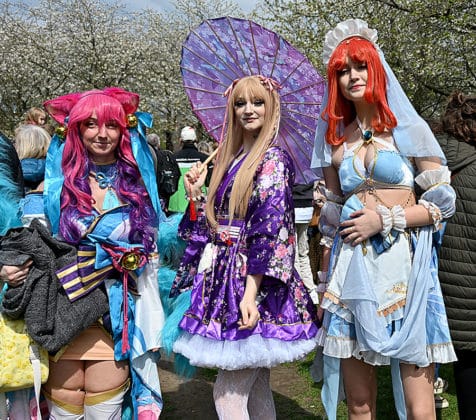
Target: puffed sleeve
[
  {"x": 270, "y": 221},
  {"x": 438, "y": 197}
]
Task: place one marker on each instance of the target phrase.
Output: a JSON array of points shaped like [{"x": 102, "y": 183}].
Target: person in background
[
  {"x": 315, "y": 246},
  {"x": 204, "y": 147},
  {"x": 31, "y": 144},
  {"x": 249, "y": 309},
  {"x": 35, "y": 116},
  {"x": 303, "y": 195},
  {"x": 167, "y": 171},
  {"x": 186, "y": 157},
  {"x": 457, "y": 254},
  {"x": 382, "y": 303},
  {"x": 153, "y": 140}
]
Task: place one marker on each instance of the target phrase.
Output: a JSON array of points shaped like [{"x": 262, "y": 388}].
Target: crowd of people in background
[{"x": 274, "y": 269}]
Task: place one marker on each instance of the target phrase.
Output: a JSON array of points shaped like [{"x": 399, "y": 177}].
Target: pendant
[{"x": 367, "y": 135}]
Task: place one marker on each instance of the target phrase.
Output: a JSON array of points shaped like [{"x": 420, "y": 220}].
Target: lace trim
[
  {"x": 381, "y": 312},
  {"x": 392, "y": 308}
]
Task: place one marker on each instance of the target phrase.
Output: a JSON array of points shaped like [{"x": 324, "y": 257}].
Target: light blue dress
[{"x": 383, "y": 303}]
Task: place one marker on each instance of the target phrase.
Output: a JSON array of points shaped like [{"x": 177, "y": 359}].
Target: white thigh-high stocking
[
  {"x": 261, "y": 402},
  {"x": 106, "y": 405},
  {"x": 59, "y": 410},
  {"x": 231, "y": 393}
]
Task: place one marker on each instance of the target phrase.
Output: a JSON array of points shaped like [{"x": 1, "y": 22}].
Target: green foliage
[
  {"x": 53, "y": 47},
  {"x": 428, "y": 43}
]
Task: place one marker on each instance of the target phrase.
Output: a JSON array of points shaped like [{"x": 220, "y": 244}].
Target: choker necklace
[
  {"x": 106, "y": 175},
  {"x": 109, "y": 162},
  {"x": 367, "y": 135}
]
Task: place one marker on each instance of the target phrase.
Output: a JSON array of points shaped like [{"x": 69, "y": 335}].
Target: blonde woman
[
  {"x": 31, "y": 144},
  {"x": 249, "y": 310}
]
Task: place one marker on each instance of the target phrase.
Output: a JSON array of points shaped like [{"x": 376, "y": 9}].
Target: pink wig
[{"x": 110, "y": 104}]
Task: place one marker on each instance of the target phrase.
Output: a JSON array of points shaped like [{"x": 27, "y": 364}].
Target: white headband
[{"x": 346, "y": 29}]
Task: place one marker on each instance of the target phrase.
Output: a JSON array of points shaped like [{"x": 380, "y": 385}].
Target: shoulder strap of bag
[
  {"x": 3, "y": 406},
  {"x": 36, "y": 365}
]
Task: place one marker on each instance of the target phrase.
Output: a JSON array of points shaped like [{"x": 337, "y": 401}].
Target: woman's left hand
[
  {"x": 15, "y": 275},
  {"x": 362, "y": 225},
  {"x": 249, "y": 315}
]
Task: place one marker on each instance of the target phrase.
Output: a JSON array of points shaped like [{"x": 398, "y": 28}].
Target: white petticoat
[{"x": 252, "y": 352}]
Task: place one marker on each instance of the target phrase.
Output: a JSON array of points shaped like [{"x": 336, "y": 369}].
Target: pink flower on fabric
[
  {"x": 281, "y": 251},
  {"x": 269, "y": 167}
]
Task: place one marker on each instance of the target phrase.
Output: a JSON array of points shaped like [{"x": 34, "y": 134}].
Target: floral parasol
[{"x": 222, "y": 50}]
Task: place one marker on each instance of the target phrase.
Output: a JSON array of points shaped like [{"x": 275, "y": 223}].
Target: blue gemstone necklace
[{"x": 367, "y": 135}]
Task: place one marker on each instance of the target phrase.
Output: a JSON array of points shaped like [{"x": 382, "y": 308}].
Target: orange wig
[{"x": 338, "y": 108}]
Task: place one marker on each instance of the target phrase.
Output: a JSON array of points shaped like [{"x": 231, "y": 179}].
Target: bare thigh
[
  {"x": 105, "y": 375},
  {"x": 418, "y": 390},
  {"x": 360, "y": 382}
]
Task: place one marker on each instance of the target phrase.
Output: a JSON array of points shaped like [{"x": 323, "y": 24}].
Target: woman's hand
[
  {"x": 15, "y": 275},
  {"x": 195, "y": 178},
  {"x": 362, "y": 225},
  {"x": 249, "y": 310},
  {"x": 249, "y": 315}
]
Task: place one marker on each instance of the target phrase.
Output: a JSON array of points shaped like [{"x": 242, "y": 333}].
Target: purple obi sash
[{"x": 228, "y": 234}]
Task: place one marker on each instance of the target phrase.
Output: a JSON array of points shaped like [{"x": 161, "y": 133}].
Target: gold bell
[
  {"x": 130, "y": 261},
  {"x": 61, "y": 131},
  {"x": 131, "y": 121}
]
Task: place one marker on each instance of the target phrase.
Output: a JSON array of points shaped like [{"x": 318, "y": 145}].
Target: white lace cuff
[
  {"x": 434, "y": 211},
  {"x": 322, "y": 286},
  {"x": 433, "y": 177}
]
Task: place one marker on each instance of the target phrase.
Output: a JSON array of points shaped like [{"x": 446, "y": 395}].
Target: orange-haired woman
[{"x": 382, "y": 300}]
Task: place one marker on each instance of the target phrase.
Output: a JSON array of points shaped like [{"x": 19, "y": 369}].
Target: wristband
[
  {"x": 322, "y": 286},
  {"x": 200, "y": 198},
  {"x": 434, "y": 213}
]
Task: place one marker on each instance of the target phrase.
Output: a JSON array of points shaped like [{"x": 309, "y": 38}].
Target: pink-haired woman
[{"x": 100, "y": 196}]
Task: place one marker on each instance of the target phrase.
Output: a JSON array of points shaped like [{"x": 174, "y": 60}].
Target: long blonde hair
[{"x": 254, "y": 88}]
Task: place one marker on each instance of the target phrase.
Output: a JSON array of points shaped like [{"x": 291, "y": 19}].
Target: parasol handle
[{"x": 209, "y": 159}]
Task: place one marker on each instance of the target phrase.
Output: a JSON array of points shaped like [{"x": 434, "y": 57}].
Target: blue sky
[{"x": 246, "y": 5}]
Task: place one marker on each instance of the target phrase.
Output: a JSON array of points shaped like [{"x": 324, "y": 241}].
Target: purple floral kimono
[{"x": 218, "y": 262}]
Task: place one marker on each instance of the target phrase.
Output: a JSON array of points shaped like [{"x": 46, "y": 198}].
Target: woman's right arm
[{"x": 328, "y": 222}]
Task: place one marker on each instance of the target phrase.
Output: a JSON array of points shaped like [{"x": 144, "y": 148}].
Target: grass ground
[
  {"x": 309, "y": 397},
  {"x": 296, "y": 396}
]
